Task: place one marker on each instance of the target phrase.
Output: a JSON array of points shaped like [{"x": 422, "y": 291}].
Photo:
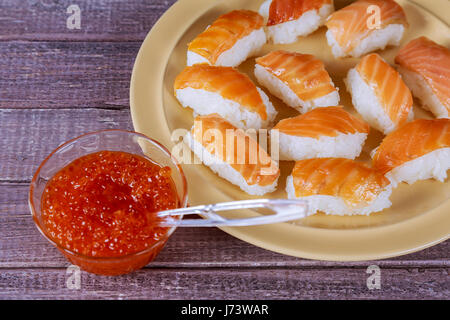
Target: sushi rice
[
  {"x": 342, "y": 146},
  {"x": 206, "y": 102}
]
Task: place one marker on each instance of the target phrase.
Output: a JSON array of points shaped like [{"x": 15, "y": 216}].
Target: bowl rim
[{"x": 41, "y": 229}]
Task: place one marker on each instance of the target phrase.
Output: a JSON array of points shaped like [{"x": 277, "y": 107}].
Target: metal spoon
[{"x": 284, "y": 209}]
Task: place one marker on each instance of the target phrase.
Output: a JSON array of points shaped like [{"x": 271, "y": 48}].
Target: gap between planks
[{"x": 289, "y": 265}]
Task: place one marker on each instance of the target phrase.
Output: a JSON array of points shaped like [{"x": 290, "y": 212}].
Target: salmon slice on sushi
[
  {"x": 229, "y": 41},
  {"x": 321, "y": 133},
  {"x": 300, "y": 80},
  {"x": 339, "y": 186},
  {"x": 425, "y": 67},
  {"x": 356, "y": 30},
  {"x": 419, "y": 150},
  {"x": 242, "y": 162},
  {"x": 289, "y": 19},
  {"x": 379, "y": 94},
  {"x": 227, "y": 92}
]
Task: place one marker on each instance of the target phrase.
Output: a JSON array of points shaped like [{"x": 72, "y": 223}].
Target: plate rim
[{"x": 184, "y": 13}]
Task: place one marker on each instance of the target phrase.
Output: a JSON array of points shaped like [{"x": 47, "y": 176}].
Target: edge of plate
[{"x": 403, "y": 234}]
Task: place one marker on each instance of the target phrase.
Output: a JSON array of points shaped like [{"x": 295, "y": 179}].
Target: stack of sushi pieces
[
  {"x": 226, "y": 102},
  {"x": 416, "y": 151},
  {"x": 324, "y": 139}
]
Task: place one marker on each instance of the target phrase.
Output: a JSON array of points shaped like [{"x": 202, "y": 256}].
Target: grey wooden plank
[
  {"x": 66, "y": 74},
  {"x": 94, "y": 73},
  {"x": 21, "y": 245},
  {"x": 28, "y": 136},
  {"x": 112, "y": 20},
  {"x": 278, "y": 283}
]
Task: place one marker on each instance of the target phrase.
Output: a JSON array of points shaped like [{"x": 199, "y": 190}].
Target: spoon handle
[{"x": 283, "y": 209}]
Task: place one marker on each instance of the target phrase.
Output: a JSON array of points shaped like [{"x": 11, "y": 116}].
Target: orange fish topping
[
  {"x": 394, "y": 95},
  {"x": 303, "y": 73},
  {"x": 224, "y": 32},
  {"x": 349, "y": 25},
  {"x": 238, "y": 149},
  {"x": 411, "y": 141},
  {"x": 325, "y": 121},
  {"x": 227, "y": 81},
  {"x": 286, "y": 10},
  {"x": 352, "y": 181},
  {"x": 432, "y": 62}
]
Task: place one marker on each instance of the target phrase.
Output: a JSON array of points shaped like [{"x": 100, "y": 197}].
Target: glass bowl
[{"x": 106, "y": 140}]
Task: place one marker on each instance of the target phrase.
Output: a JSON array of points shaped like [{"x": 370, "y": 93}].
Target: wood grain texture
[
  {"x": 101, "y": 20},
  {"x": 66, "y": 74},
  {"x": 28, "y": 136},
  {"x": 187, "y": 248},
  {"x": 249, "y": 283},
  {"x": 56, "y": 84},
  {"x": 21, "y": 245}
]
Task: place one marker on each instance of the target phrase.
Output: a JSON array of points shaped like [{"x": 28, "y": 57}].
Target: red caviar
[{"x": 103, "y": 204}]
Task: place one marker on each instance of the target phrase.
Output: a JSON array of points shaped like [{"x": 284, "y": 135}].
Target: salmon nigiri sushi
[
  {"x": 321, "y": 133},
  {"x": 339, "y": 186},
  {"x": 365, "y": 26},
  {"x": 233, "y": 155},
  {"x": 379, "y": 94},
  {"x": 300, "y": 80},
  {"x": 289, "y": 19},
  {"x": 425, "y": 67},
  {"x": 418, "y": 150},
  {"x": 226, "y": 91},
  {"x": 229, "y": 41}
]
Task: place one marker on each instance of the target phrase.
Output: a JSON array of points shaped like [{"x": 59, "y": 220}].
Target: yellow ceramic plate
[{"x": 420, "y": 214}]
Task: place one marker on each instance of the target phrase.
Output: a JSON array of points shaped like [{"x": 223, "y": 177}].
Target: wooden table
[{"x": 57, "y": 83}]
